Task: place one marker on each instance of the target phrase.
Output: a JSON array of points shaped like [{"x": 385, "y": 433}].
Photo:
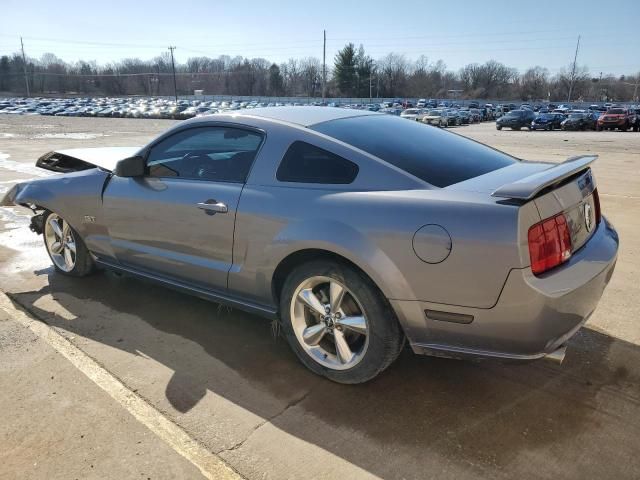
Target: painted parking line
[{"x": 209, "y": 464}]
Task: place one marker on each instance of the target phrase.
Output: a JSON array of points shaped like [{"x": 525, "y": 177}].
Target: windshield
[
  {"x": 436, "y": 156},
  {"x": 616, "y": 111}
]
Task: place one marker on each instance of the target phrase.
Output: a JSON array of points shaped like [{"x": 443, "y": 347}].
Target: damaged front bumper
[
  {"x": 9, "y": 200},
  {"x": 10, "y": 197}
]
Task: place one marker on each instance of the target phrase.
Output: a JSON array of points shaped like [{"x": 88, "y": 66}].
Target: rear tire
[
  {"x": 367, "y": 354},
  {"x": 65, "y": 247}
]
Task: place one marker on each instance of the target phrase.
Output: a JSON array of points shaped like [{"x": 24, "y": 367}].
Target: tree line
[{"x": 352, "y": 74}]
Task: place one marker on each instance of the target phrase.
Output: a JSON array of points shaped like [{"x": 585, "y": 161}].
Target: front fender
[{"x": 72, "y": 196}]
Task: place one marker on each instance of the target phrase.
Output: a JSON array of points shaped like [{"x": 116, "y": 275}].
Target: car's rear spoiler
[{"x": 529, "y": 187}]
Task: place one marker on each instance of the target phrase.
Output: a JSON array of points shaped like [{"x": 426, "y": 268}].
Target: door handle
[{"x": 211, "y": 207}]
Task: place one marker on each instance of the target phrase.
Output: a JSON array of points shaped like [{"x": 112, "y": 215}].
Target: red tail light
[
  {"x": 549, "y": 244},
  {"x": 596, "y": 203}
]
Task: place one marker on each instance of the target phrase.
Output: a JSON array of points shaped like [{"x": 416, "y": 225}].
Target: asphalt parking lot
[{"x": 223, "y": 378}]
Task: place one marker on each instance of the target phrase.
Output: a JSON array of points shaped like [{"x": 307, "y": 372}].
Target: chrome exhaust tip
[{"x": 557, "y": 356}]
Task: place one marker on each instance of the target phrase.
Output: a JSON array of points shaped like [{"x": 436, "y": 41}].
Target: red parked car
[{"x": 617, "y": 117}]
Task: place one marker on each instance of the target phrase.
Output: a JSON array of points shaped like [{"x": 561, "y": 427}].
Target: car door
[{"x": 177, "y": 221}]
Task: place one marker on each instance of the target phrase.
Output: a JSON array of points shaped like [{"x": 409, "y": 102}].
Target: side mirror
[{"x": 130, "y": 167}]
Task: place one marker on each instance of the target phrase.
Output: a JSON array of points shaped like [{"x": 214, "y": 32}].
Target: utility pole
[
  {"x": 573, "y": 71},
  {"x": 24, "y": 65},
  {"x": 173, "y": 67},
  {"x": 370, "y": 88},
  {"x": 324, "y": 64}
]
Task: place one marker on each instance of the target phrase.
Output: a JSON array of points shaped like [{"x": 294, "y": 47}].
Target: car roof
[{"x": 301, "y": 115}]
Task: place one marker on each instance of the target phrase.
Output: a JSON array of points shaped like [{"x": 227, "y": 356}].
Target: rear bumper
[{"x": 533, "y": 315}]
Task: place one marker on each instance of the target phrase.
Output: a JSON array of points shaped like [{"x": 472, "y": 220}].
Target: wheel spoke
[
  {"x": 336, "y": 294},
  {"x": 356, "y": 324},
  {"x": 56, "y": 228},
  {"x": 308, "y": 297},
  {"x": 313, "y": 334},
  {"x": 56, "y": 247},
  {"x": 68, "y": 259},
  {"x": 65, "y": 228},
  {"x": 72, "y": 246},
  {"x": 345, "y": 355}
]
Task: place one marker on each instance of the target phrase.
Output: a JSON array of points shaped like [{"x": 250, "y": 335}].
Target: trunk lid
[{"x": 566, "y": 188}]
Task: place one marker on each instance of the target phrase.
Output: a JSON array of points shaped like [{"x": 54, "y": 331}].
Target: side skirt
[{"x": 234, "y": 302}]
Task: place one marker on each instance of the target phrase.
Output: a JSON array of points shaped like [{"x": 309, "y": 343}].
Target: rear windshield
[{"x": 436, "y": 156}]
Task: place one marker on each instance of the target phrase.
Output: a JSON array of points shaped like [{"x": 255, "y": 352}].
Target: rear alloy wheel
[
  {"x": 65, "y": 247},
  {"x": 338, "y": 323}
]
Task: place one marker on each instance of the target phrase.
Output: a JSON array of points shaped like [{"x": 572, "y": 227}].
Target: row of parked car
[
  {"x": 441, "y": 114},
  {"x": 615, "y": 117},
  {"x": 124, "y": 107}
]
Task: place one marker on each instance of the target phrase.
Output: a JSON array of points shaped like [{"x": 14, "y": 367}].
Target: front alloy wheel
[
  {"x": 65, "y": 247},
  {"x": 60, "y": 242}
]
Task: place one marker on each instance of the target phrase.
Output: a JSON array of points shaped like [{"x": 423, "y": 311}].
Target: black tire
[
  {"x": 83, "y": 262},
  {"x": 386, "y": 337},
  {"x": 498, "y": 127}
]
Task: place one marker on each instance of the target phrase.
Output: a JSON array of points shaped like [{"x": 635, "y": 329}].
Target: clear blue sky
[{"x": 518, "y": 33}]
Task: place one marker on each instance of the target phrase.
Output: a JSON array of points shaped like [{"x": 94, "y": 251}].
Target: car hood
[{"x": 76, "y": 159}]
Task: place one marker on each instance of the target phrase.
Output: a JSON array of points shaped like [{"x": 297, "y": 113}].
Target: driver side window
[{"x": 215, "y": 154}]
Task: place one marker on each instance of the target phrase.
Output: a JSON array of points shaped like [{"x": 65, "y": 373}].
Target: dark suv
[
  {"x": 516, "y": 119},
  {"x": 547, "y": 121}
]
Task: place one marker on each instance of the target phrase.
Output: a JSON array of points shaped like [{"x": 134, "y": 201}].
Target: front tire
[
  {"x": 338, "y": 322},
  {"x": 65, "y": 247}
]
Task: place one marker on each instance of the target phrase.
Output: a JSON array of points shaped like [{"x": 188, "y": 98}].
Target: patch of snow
[
  {"x": 72, "y": 136},
  {"x": 19, "y": 167}
]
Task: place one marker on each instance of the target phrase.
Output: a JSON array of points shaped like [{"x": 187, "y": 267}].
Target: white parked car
[{"x": 413, "y": 114}]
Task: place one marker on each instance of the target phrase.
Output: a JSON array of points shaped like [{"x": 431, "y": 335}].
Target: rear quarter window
[
  {"x": 438, "y": 157},
  {"x": 306, "y": 163}
]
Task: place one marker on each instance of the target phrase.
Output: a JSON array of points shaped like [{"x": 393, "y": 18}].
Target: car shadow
[{"x": 480, "y": 417}]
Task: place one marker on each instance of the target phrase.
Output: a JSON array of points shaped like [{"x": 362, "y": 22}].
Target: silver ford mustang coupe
[{"x": 355, "y": 230}]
